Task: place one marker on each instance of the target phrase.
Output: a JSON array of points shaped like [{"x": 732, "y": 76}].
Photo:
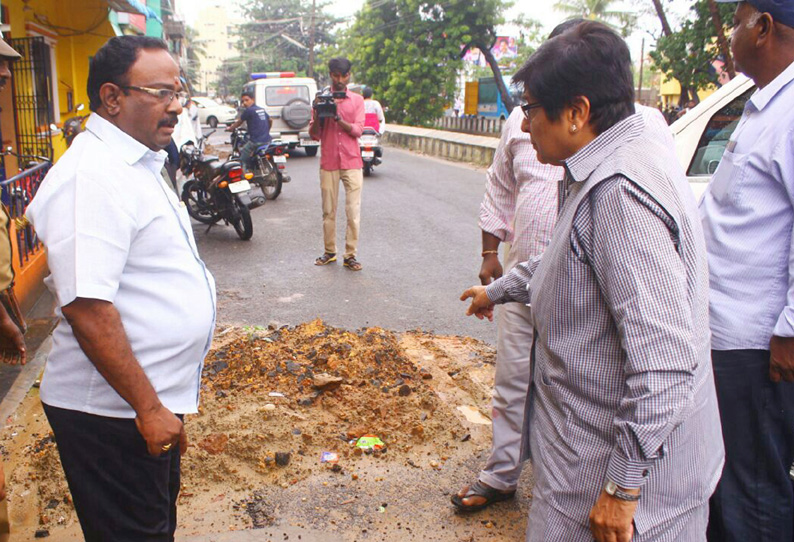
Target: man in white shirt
[
  {"x": 137, "y": 302},
  {"x": 748, "y": 216}
]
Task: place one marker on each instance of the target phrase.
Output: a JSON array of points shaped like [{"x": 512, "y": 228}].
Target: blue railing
[{"x": 17, "y": 193}]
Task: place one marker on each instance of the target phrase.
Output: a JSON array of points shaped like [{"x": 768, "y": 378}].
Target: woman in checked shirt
[{"x": 622, "y": 422}]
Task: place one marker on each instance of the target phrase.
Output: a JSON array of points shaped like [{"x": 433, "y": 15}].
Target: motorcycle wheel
[
  {"x": 242, "y": 220},
  {"x": 367, "y": 170},
  {"x": 198, "y": 203},
  {"x": 271, "y": 179}
]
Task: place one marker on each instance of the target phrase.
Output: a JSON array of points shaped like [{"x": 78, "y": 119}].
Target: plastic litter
[
  {"x": 329, "y": 457},
  {"x": 370, "y": 442}
]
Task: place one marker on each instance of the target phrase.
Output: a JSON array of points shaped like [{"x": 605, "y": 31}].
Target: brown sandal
[
  {"x": 352, "y": 264},
  {"x": 325, "y": 259}
]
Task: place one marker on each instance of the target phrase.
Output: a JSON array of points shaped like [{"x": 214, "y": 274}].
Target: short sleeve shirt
[
  {"x": 115, "y": 232},
  {"x": 258, "y": 123}
]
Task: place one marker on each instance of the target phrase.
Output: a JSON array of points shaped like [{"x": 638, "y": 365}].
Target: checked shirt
[{"x": 622, "y": 387}]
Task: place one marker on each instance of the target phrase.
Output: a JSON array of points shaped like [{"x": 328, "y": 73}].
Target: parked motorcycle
[
  {"x": 73, "y": 126},
  {"x": 371, "y": 150},
  {"x": 269, "y": 164},
  {"x": 216, "y": 190}
]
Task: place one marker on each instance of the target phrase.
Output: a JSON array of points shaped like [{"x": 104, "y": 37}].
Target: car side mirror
[{"x": 80, "y": 107}]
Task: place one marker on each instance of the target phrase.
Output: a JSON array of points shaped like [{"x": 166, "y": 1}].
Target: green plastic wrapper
[{"x": 370, "y": 441}]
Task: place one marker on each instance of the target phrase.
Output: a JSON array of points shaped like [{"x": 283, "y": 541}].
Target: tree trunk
[
  {"x": 497, "y": 75},
  {"x": 721, "y": 41},
  {"x": 666, "y": 30}
]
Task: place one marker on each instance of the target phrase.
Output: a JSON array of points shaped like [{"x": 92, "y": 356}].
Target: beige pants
[{"x": 353, "y": 179}]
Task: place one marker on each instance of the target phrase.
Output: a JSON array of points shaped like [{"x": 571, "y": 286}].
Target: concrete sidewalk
[{"x": 456, "y": 146}]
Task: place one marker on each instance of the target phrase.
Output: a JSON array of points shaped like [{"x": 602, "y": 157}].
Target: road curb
[{"x": 450, "y": 145}]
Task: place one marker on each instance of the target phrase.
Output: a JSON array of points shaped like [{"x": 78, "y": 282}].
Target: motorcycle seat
[
  {"x": 208, "y": 158},
  {"x": 226, "y": 166}
]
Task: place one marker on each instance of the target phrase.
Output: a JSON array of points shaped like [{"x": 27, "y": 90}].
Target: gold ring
[{"x": 166, "y": 447}]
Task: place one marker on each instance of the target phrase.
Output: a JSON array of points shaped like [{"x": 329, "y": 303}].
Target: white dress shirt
[
  {"x": 114, "y": 231},
  {"x": 747, "y": 220}
]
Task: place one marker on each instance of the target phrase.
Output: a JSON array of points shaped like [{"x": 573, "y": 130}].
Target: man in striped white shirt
[
  {"x": 519, "y": 208},
  {"x": 748, "y": 220}
]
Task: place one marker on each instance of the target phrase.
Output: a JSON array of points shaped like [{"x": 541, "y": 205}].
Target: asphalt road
[{"x": 419, "y": 245}]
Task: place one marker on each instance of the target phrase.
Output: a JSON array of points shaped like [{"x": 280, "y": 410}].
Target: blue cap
[{"x": 782, "y": 11}]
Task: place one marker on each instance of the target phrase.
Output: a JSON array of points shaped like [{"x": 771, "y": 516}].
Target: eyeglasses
[
  {"x": 162, "y": 94},
  {"x": 526, "y": 108}
]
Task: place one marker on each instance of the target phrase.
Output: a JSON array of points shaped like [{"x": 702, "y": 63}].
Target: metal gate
[{"x": 32, "y": 93}]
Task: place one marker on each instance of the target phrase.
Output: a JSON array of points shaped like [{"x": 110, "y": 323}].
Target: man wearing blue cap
[{"x": 748, "y": 219}]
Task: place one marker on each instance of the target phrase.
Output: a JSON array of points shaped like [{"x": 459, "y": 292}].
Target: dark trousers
[
  {"x": 120, "y": 492},
  {"x": 754, "y": 501}
]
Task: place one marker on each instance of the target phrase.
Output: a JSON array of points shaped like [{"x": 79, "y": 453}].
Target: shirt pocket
[{"x": 726, "y": 184}]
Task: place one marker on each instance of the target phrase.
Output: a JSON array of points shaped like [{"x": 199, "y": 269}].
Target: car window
[
  {"x": 275, "y": 96},
  {"x": 716, "y": 135}
]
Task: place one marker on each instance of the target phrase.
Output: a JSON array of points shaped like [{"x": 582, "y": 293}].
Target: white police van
[{"x": 287, "y": 100}]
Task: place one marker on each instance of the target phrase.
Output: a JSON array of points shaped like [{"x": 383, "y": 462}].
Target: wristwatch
[{"x": 612, "y": 489}]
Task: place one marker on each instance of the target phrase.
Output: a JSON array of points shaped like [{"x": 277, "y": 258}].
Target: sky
[{"x": 541, "y": 10}]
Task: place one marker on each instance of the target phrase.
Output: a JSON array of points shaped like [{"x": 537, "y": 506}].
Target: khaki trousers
[{"x": 353, "y": 179}]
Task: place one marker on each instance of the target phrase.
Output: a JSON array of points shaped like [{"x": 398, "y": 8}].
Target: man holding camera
[{"x": 338, "y": 129}]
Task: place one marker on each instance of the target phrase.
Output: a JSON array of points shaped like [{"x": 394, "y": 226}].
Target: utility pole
[
  {"x": 642, "y": 60},
  {"x": 311, "y": 41}
]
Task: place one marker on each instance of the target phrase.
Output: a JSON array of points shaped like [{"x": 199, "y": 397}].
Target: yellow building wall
[
  {"x": 76, "y": 29},
  {"x": 670, "y": 92}
]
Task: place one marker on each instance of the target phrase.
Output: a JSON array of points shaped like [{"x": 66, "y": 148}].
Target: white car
[
  {"x": 702, "y": 134},
  {"x": 212, "y": 113},
  {"x": 287, "y": 100}
]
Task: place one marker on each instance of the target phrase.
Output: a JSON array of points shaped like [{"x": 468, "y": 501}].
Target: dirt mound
[
  {"x": 274, "y": 443},
  {"x": 275, "y": 403}
]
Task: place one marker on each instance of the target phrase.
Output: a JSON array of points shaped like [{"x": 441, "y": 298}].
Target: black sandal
[
  {"x": 325, "y": 259},
  {"x": 479, "y": 489},
  {"x": 352, "y": 264}
]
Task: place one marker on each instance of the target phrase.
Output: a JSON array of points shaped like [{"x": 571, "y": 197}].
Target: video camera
[{"x": 325, "y": 104}]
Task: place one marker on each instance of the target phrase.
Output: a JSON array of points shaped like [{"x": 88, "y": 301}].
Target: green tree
[
  {"x": 687, "y": 55},
  {"x": 599, "y": 10},
  {"x": 195, "y": 50},
  {"x": 409, "y": 51},
  {"x": 280, "y": 34},
  {"x": 236, "y": 72}
]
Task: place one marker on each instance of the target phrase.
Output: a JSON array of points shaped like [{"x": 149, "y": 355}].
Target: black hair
[
  {"x": 565, "y": 26},
  {"x": 590, "y": 60},
  {"x": 339, "y": 65},
  {"x": 367, "y": 92},
  {"x": 248, "y": 92},
  {"x": 113, "y": 61}
]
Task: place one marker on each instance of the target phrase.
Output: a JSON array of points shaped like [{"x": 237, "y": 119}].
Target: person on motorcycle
[
  {"x": 373, "y": 112},
  {"x": 258, "y": 122}
]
